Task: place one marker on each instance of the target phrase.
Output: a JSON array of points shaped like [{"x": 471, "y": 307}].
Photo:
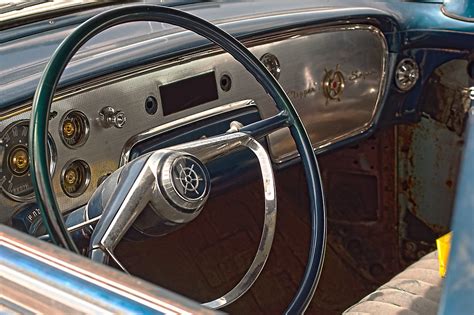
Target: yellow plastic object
[{"x": 444, "y": 244}]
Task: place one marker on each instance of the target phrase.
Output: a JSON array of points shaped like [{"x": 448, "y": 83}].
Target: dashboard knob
[
  {"x": 272, "y": 63},
  {"x": 110, "y": 117},
  {"x": 406, "y": 74}
]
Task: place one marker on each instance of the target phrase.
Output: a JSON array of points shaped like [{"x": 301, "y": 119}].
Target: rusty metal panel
[
  {"x": 428, "y": 155},
  {"x": 428, "y": 160}
]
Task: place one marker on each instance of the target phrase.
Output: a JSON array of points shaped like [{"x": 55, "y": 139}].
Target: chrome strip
[
  {"x": 125, "y": 156},
  {"x": 74, "y": 266},
  {"x": 36, "y": 10},
  {"x": 76, "y": 227}
]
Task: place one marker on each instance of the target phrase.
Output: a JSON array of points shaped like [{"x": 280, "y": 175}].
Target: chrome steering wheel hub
[{"x": 185, "y": 182}]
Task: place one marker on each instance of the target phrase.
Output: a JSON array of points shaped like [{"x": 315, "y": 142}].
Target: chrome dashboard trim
[
  {"x": 381, "y": 93},
  {"x": 277, "y": 37},
  {"x": 52, "y": 291},
  {"x": 108, "y": 149},
  {"x": 188, "y": 57},
  {"x": 125, "y": 156}
]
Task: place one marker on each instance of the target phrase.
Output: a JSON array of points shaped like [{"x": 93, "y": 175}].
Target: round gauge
[
  {"x": 75, "y": 178},
  {"x": 15, "y": 177},
  {"x": 74, "y": 129}
]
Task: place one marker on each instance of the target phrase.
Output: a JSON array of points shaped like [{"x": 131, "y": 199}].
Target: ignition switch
[{"x": 110, "y": 117}]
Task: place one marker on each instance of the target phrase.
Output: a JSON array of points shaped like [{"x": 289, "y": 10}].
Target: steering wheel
[{"x": 177, "y": 176}]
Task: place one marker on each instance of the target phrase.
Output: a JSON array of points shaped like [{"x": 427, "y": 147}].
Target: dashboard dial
[
  {"x": 74, "y": 129},
  {"x": 75, "y": 178},
  {"x": 15, "y": 177}
]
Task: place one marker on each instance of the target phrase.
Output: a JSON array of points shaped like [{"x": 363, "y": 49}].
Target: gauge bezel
[
  {"x": 52, "y": 160},
  {"x": 85, "y": 121},
  {"x": 87, "y": 177}
]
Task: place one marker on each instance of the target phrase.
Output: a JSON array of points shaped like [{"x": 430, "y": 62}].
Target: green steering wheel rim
[{"x": 43, "y": 98}]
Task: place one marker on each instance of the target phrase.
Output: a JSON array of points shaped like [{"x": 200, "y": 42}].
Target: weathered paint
[{"x": 428, "y": 159}]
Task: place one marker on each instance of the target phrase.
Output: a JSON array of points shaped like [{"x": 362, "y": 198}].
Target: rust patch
[
  {"x": 446, "y": 96},
  {"x": 425, "y": 168},
  {"x": 405, "y": 142}
]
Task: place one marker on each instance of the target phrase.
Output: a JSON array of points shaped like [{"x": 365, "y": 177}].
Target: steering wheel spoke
[
  {"x": 266, "y": 126},
  {"x": 268, "y": 232}
]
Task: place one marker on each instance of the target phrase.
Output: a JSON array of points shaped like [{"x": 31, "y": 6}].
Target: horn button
[{"x": 184, "y": 184}]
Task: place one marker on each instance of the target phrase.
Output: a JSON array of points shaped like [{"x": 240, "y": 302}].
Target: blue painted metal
[
  {"x": 461, "y": 9},
  {"x": 61, "y": 279},
  {"x": 458, "y": 290}
]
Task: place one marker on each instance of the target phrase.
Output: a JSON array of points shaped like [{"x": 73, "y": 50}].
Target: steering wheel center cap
[
  {"x": 185, "y": 182},
  {"x": 189, "y": 178}
]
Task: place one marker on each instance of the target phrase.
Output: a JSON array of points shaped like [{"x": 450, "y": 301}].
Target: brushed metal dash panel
[{"x": 359, "y": 52}]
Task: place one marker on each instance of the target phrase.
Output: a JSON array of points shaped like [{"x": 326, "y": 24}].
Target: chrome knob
[
  {"x": 109, "y": 117},
  {"x": 272, "y": 63},
  {"x": 406, "y": 74}
]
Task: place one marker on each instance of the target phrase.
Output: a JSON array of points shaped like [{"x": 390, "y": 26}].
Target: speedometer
[{"x": 15, "y": 177}]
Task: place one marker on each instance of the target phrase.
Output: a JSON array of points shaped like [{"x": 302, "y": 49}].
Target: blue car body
[{"x": 430, "y": 32}]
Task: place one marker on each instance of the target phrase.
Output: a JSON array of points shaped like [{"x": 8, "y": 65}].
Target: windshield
[
  {"x": 16, "y": 5},
  {"x": 11, "y": 7},
  {"x": 16, "y": 12}
]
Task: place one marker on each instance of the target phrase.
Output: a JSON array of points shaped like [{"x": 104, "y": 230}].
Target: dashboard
[{"x": 94, "y": 127}]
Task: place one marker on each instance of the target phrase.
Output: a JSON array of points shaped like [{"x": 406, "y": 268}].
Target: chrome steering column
[{"x": 174, "y": 185}]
